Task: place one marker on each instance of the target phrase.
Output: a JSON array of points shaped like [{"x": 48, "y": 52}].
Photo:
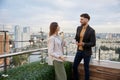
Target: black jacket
[{"x": 89, "y": 39}]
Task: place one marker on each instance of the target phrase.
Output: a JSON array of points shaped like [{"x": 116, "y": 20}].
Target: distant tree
[
  {"x": 104, "y": 48},
  {"x": 111, "y": 48},
  {"x": 117, "y": 51},
  {"x": 117, "y": 41}
]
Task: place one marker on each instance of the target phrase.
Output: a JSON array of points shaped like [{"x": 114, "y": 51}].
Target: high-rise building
[
  {"x": 25, "y": 36},
  {"x": 26, "y": 29},
  {"x": 22, "y": 34},
  {"x": 7, "y": 48},
  {"x": 18, "y": 36}
]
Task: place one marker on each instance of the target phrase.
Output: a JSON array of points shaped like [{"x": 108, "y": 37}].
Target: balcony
[
  {"x": 18, "y": 65},
  {"x": 100, "y": 70}
]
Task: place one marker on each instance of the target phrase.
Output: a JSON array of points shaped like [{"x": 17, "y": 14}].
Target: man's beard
[{"x": 83, "y": 24}]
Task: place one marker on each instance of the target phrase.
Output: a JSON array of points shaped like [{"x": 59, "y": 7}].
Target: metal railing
[{"x": 5, "y": 56}]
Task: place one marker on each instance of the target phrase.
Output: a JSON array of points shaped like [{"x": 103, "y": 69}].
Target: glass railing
[
  {"x": 14, "y": 53},
  {"x": 105, "y": 49},
  {"x": 18, "y": 59},
  {"x": 108, "y": 49}
]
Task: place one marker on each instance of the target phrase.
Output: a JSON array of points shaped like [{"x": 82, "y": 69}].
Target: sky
[{"x": 105, "y": 14}]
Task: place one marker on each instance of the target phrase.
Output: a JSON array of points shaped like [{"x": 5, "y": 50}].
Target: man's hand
[{"x": 80, "y": 44}]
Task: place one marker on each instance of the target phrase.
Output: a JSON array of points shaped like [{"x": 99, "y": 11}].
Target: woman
[{"x": 55, "y": 51}]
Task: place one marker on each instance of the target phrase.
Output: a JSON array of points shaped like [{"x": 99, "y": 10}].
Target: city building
[
  {"x": 26, "y": 36},
  {"x": 18, "y": 36},
  {"x": 22, "y": 36},
  {"x": 7, "y": 48}
]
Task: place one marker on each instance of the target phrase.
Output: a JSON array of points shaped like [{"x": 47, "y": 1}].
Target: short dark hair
[{"x": 85, "y": 15}]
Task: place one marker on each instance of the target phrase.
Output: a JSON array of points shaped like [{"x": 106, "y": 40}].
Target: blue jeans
[{"x": 79, "y": 56}]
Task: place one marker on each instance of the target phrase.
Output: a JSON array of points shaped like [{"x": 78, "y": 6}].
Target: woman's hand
[
  {"x": 63, "y": 43},
  {"x": 62, "y": 58}
]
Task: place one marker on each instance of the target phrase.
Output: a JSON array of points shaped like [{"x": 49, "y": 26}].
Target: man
[{"x": 85, "y": 40}]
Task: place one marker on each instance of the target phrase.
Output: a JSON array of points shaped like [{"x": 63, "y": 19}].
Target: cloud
[
  {"x": 65, "y": 12},
  {"x": 107, "y": 28}
]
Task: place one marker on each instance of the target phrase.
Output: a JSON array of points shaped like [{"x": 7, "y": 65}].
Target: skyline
[{"x": 105, "y": 15}]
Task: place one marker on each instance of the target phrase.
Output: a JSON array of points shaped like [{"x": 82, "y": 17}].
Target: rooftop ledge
[
  {"x": 100, "y": 70},
  {"x": 102, "y": 63}
]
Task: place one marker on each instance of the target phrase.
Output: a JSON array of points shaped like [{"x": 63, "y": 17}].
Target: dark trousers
[{"x": 79, "y": 56}]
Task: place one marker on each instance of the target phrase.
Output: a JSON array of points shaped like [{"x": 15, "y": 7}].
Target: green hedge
[
  {"x": 68, "y": 68},
  {"x": 35, "y": 71}
]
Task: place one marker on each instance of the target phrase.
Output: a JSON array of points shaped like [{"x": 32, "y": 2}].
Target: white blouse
[{"x": 55, "y": 48}]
